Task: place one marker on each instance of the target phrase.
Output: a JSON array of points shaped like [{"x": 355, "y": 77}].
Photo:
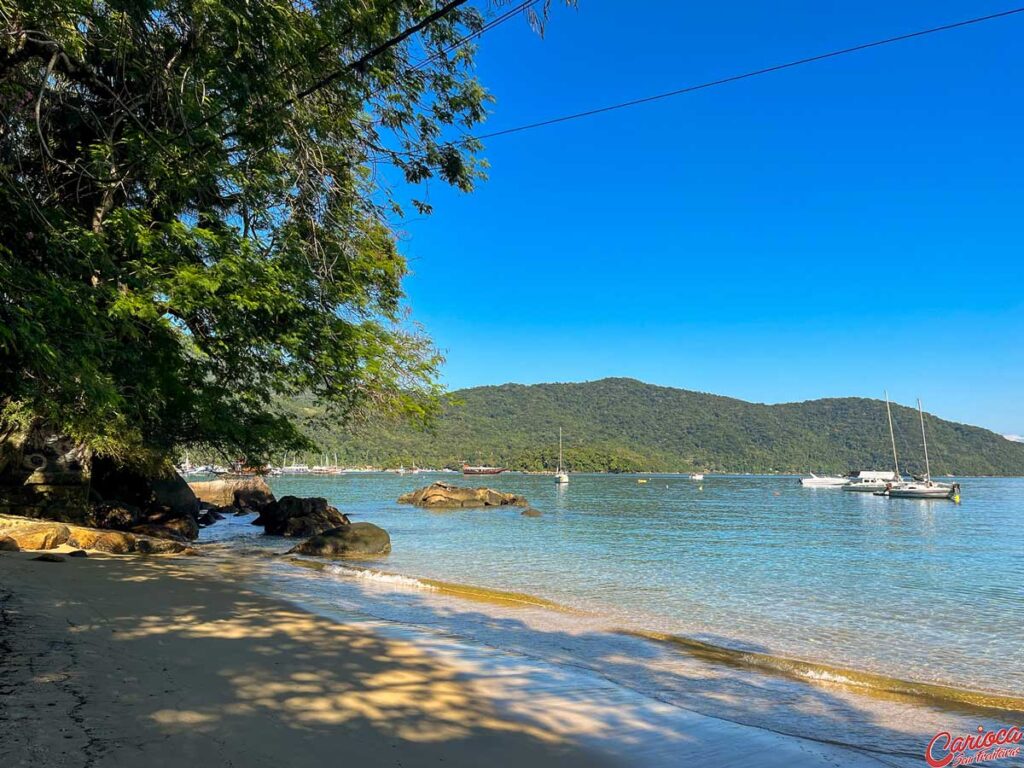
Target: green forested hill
[{"x": 626, "y": 425}]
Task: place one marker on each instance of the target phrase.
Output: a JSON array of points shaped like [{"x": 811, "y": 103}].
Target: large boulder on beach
[
  {"x": 169, "y": 497},
  {"x": 239, "y": 492},
  {"x": 292, "y": 516},
  {"x": 37, "y": 535},
  {"x": 115, "y": 515},
  {"x": 347, "y": 541},
  {"x": 111, "y": 542},
  {"x": 446, "y": 496}
]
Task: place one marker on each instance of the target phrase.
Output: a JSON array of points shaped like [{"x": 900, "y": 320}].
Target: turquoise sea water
[{"x": 928, "y": 591}]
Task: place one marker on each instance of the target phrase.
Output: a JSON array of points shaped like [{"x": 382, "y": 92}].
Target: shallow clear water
[{"x": 922, "y": 590}]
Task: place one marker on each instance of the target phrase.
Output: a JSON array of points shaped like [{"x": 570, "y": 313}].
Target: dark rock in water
[
  {"x": 160, "y": 532},
  {"x": 208, "y": 517},
  {"x": 292, "y": 516},
  {"x": 8, "y": 544},
  {"x": 147, "y": 545},
  {"x": 78, "y": 553},
  {"x": 241, "y": 492},
  {"x": 37, "y": 535},
  {"x": 347, "y": 540},
  {"x": 531, "y": 512},
  {"x": 49, "y": 557},
  {"x": 445, "y": 496},
  {"x": 115, "y": 515}
]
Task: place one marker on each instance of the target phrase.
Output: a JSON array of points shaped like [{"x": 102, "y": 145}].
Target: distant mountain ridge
[{"x": 619, "y": 424}]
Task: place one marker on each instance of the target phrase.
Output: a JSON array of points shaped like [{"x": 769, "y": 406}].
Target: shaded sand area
[{"x": 171, "y": 661}]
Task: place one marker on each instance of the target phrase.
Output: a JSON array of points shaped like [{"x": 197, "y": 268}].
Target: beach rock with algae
[
  {"x": 347, "y": 540},
  {"x": 292, "y": 516},
  {"x": 446, "y": 496}
]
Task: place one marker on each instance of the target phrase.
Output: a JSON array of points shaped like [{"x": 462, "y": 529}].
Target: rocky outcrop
[
  {"x": 241, "y": 492},
  {"x": 292, "y": 516},
  {"x": 43, "y": 474},
  {"x": 445, "y": 496},
  {"x": 347, "y": 541},
  {"x": 530, "y": 512}
]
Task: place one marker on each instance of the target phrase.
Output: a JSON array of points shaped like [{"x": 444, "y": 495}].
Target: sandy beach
[{"x": 113, "y": 661}]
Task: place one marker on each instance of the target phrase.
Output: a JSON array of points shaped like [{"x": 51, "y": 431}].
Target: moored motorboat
[
  {"x": 826, "y": 481},
  {"x": 696, "y": 475},
  {"x": 870, "y": 481}
]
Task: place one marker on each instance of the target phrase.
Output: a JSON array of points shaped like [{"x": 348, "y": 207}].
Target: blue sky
[{"x": 832, "y": 230}]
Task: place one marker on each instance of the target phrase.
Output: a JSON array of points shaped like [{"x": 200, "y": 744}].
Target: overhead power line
[{"x": 746, "y": 75}]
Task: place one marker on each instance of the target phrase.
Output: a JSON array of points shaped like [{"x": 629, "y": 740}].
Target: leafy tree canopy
[{"x": 194, "y": 213}]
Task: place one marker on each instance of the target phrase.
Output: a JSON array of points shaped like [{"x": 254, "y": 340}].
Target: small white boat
[
  {"x": 561, "y": 476},
  {"x": 696, "y": 475},
  {"x": 870, "y": 481},
  {"x": 827, "y": 481}
]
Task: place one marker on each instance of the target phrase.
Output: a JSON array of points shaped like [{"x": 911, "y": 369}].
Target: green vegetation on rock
[{"x": 618, "y": 425}]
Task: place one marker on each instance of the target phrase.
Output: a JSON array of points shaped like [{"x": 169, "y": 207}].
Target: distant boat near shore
[
  {"x": 561, "y": 476},
  {"x": 468, "y": 469}
]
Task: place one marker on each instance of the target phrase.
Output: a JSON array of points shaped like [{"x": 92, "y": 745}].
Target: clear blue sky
[{"x": 832, "y": 230}]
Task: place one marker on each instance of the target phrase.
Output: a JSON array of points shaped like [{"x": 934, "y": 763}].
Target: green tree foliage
[
  {"x": 195, "y": 218},
  {"x": 618, "y": 425}
]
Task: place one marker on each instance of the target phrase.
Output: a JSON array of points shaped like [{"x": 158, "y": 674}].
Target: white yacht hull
[
  {"x": 922, "y": 491},
  {"x": 864, "y": 487},
  {"x": 823, "y": 482}
]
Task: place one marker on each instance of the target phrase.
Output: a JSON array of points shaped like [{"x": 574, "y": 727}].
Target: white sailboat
[
  {"x": 561, "y": 476},
  {"x": 925, "y": 488}
]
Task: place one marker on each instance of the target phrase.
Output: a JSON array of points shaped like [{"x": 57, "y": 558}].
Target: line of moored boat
[{"x": 891, "y": 483}]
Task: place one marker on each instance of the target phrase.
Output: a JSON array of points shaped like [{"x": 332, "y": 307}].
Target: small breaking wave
[
  {"x": 872, "y": 683},
  {"x": 379, "y": 577}
]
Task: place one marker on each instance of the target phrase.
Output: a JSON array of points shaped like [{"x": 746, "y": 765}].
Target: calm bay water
[{"x": 923, "y": 590}]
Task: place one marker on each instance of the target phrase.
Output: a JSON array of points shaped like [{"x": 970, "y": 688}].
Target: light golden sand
[
  {"x": 150, "y": 662},
  {"x": 171, "y": 661}
]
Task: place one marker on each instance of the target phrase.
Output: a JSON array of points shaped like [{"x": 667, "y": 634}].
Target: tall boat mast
[
  {"x": 924, "y": 439},
  {"x": 892, "y": 436},
  {"x": 559, "y": 450}
]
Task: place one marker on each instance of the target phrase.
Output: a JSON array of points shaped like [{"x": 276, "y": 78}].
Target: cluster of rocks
[
  {"x": 442, "y": 495},
  {"x": 332, "y": 533},
  {"x": 19, "y": 533}
]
